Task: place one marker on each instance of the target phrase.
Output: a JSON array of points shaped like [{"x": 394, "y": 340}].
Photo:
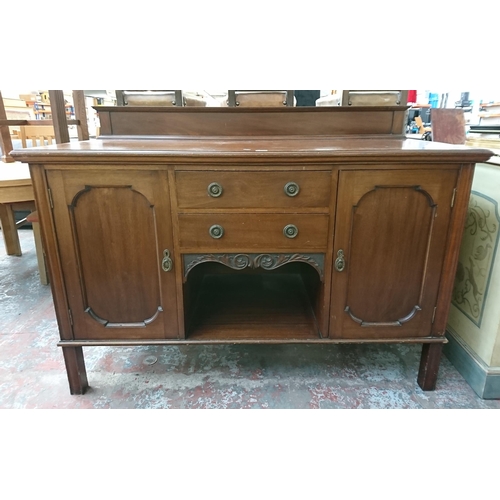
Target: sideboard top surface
[
  {"x": 309, "y": 134},
  {"x": 331, "y": 149}
]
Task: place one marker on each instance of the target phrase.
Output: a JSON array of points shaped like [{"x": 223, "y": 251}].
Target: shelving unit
[
  {"x": 43, "y": 111},
  {"x": 490, "y": 113}
]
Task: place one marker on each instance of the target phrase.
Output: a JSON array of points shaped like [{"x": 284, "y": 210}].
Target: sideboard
[{"x": 253, "y": 225}]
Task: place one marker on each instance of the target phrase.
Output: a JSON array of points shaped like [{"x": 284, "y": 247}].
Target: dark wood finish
[
  {"x": 227, "y": 301},
  {"x": 5, "y": 140},
  {"x": 112, "y": 240},
  {"x": 396, "y": 208},
  {"x": 454, "y": 240},
  {"x": 322, "y": 121},
  {"x": 392, "y": 229},
  {"x": 448, "y": 125},
  {"x": 75, "y": 368},
  {"x": 264, "y": 339},
  {"x": 429, "y": 366},
  {"x": 253, "y": 190},
  {"x": 59, "y": 118},
  {"x": 252, "y": 232}
]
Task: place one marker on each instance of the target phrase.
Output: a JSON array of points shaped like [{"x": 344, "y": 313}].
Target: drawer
[
  {"x": 218, "y": 189},
  {"x": 253, "y": 232}
]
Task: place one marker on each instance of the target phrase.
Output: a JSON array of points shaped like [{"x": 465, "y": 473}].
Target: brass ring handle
[
  {"x": 216, "y": 231},
  {"x": 214, "y": 189},
  {"x": 290, "y": 231},
  {"x": 340, "y": 261},
  {"x": 166, "y": 263},
  {"x": 291, "y": 189}
]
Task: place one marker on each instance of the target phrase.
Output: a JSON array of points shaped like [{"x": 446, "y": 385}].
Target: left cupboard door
[{"x": 114, "y": 233}]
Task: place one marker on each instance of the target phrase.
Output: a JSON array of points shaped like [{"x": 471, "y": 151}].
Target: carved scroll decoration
[{"x": 265, "y": 261}]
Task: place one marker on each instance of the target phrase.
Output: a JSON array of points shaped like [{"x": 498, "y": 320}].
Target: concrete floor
[{"x": 32, "y": 373}]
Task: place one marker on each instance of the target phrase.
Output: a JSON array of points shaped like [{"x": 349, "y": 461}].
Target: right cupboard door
[{"x": 390, "y": 241}]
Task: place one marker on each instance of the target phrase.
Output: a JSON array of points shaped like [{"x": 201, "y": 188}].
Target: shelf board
[
  {"x": 253, "y": 307},
  {"x": 489, "y": 105}
]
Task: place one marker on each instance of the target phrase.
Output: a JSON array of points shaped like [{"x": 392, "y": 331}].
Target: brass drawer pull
[
  {"x": 340, "y": 261},
  {"x": 166, "y": 263},
  {"x": 214, "y": 189},
  {"x": 290, "y": 231},
  {"x": 291, "y": 189},
  {"x": 216, "y": 231}
]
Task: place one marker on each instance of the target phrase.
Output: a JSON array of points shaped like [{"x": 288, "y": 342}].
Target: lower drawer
[{"x": 253, "y": 232}]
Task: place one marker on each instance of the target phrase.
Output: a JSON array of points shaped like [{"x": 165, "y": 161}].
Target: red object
[{"x": 412, "y": 96}]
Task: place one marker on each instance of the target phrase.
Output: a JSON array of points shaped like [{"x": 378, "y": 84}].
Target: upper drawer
[{"x": 218, "y": 189}]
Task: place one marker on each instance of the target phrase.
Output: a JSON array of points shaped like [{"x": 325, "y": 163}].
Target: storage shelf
[{"x": 252, "y": 307}]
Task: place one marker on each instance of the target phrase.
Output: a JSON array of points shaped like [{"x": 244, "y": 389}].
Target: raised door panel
[
  {"x": 112, "y": 230},
  {"x": 391, "y": 228}
]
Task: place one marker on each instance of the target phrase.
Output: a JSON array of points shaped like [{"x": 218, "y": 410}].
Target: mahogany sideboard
[{"x": 253, "y": 225}]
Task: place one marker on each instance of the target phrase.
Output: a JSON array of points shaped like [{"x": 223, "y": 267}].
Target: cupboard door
[
  {"x": 115, "y": 240},
  {"x": 390, "y": 241}
]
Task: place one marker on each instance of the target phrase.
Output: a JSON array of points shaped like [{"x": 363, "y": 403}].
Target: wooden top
[
  {"x": 14, "y": 174},
  {"x": 317, "y": 149},
  {"x": 208, "y": 135}
]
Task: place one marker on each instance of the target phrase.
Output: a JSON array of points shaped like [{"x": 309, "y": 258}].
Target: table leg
[
  {"x": 9, "y": 230},
  {"x": 429, "y": 366},
  {"x": 75, "y": 369}
]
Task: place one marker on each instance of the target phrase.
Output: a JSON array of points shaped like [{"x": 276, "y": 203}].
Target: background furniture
[
  {"x": 149, "y": 98},
  {"x": 16, "y": 193},
  {"x": 243, "y": 225},
  {"x": 448, "y": 125},
  {"x": 374, "y": 97},
  {"x": 260, "y": 98},
  {"x": 36, "y": 133},
  {"x": 158, "y": 98}
]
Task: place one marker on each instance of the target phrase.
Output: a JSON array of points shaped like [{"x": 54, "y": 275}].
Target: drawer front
[
  {"x": 253, "y": 232},
  {"x": 217, "y": 189}
]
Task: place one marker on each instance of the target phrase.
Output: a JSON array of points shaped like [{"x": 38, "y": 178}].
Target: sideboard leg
[
  {"x": 429, "y": 366},
  {"x": 75, "y": 368}
]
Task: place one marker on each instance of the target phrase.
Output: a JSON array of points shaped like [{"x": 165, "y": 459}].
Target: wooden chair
[
  {"x": 149, "y": 98},
  {"x": 420, "y": 124},
  {"x": 448, "y": 125},
  {"x": 36, "y": 133},
  {"x": 260, "y": 98},
  {"x": 374, "y": 97},
  {"x": 40, "y": 255}
]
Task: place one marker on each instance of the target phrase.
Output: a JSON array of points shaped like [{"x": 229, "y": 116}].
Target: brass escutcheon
[
  {"x": 166, "y": 263},
  {"x": 340, "y": 261}
]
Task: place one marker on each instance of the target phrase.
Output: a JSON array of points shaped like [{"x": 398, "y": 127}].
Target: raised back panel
[{"x": 155, "y": 121}]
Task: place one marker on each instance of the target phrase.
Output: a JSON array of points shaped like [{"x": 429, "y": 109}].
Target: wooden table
[{"x": 16, "y": 193}]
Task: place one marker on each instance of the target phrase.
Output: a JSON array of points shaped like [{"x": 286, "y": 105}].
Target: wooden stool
[{"x": 33, "y": 218}]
